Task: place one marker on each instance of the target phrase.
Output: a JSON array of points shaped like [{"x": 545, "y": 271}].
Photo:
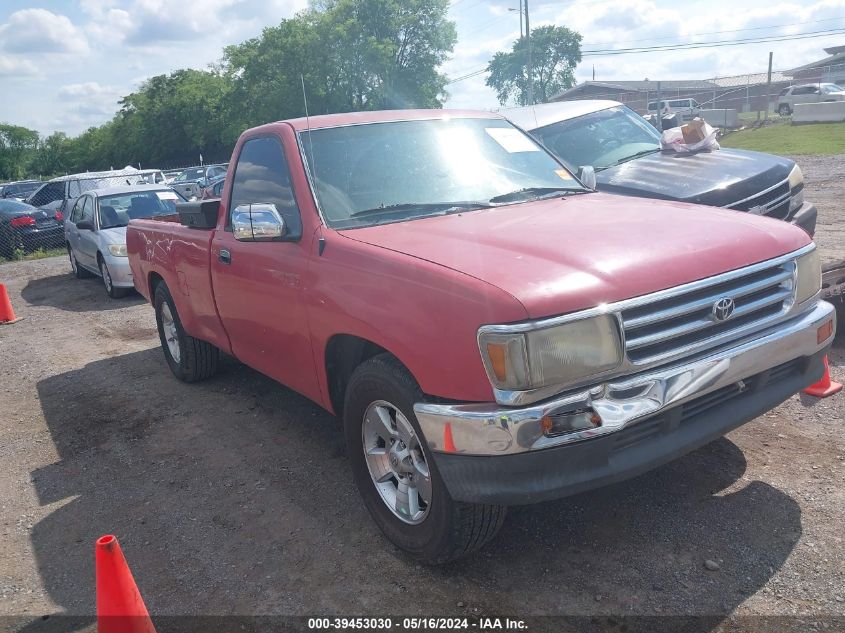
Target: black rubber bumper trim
[
  {"x": 553, "y": 473},
  {"x": 806, "y": 218}
]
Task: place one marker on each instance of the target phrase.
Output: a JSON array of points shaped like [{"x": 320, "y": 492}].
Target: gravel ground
[{"x": 234, "y": 496}]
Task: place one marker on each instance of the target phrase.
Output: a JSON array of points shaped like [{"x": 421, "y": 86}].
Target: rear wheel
[
  {"x": 190, "y": 359},
  {"x": 395, "y": 472},
  {"x": 78, "y": 271},
  {"x": 114, "y": 293},
  {"x": 784, "y": 109}
]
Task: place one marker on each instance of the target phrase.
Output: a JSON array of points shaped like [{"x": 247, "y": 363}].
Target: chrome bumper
[{"x": 490, "y": 429}]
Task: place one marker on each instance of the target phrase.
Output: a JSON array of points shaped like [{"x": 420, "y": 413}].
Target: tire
[
  {"x": 113, "y": 292},
  {"x": 194, "y": 359},
  {"x": 447, "y": 529},
  {"x": 784, "y": 109},
  {"x": 78, "y": 271}
]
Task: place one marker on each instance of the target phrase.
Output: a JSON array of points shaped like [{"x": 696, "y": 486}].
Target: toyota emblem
[{"x": 723, "y": 309}]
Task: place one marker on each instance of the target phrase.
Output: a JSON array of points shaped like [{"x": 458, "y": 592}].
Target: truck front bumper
[
  {"x": 806, "y": 217},
  {"x": 487, "y": 453}
]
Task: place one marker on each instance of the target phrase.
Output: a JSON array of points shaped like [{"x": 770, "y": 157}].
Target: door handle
[{"x": 225, "y": 256}]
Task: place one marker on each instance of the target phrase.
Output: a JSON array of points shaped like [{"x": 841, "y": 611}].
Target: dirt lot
[{"x": 234, "y": 496}]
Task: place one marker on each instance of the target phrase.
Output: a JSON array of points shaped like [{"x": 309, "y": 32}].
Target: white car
[
  {"x": 808, "y": 93},
  {"x": 689, "y": 108},
  {"x": 95, "y": 230}
]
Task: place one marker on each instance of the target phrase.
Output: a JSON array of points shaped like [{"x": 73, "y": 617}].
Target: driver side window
[{"x": 76, "y": 214}]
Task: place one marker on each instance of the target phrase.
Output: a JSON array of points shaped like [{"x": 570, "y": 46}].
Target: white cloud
[
  {"x": 41, "y": 31},
  {"x": 17, "y": 67}
]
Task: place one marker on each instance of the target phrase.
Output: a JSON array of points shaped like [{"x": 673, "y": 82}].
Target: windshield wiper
[
  {"x": 446, "y": 207},
  {"x": 534, "y": 193},
  {"x": 644, "y": 152}
]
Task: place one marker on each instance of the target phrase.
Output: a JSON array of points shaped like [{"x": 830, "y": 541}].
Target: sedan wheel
[
  {"x": 784, "y": 110},
  {"x": 396, "y": 462},
  {"x": 114, "y": 293}
]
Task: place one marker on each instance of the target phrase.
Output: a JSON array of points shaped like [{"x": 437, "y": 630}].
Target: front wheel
[
  {"x": 784, "y": 110},
  {"x": 190, "y": 359},
  {"x": 395, "y": 472},
  {"x": 113, "y": 292}
]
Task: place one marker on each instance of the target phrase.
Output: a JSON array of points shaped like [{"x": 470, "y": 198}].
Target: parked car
[
  {"x": 96, "y": 230},
  {"x": 190, "y": 182},
  {"x": 26, "y": 228},
  {"x": 214, "y": 188},
  {"x": 624, "y": 152},
  {"x": 808, "y": 93},
  {"x": 688, "y": 108},
  {"x": 491, "y": 331},
  {"x": 60, "y": 194},
  {"x": 19, "y": 189}
]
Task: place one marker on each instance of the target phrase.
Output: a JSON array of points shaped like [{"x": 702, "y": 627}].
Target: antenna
[{"x": 308, "y": 125}]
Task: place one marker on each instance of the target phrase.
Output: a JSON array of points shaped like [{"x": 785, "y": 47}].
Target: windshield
[
  {"x": 191, "y": 174},
  {"x": 21, "y": 189},
  {"x": 601, "y": 139},
  {"x": 388, "y": 172},
  {"x": 832, "y": 88},
  {"x": 117, "y": 210}
]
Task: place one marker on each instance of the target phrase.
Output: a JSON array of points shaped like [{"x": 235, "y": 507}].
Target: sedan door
[{"x": 86, "y": 254}]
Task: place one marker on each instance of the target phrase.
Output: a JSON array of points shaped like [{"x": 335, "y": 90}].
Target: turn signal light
[
  {"x": 496, "y": 354},
  {"x": 569, "y": 422},
  {"x": 824, "y": 332}
]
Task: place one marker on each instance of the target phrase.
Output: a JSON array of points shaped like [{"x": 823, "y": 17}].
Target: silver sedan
[{"x": 96, "y": 230}]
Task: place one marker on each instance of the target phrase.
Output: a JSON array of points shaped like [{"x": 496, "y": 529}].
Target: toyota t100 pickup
[{"x": 490, "y": 331}]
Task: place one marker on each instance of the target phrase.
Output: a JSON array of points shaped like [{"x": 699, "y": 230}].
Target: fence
[{"x": 743, "y": 93}]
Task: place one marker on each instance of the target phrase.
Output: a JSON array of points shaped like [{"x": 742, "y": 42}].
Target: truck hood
[
  {"x": 565, "y": 254},
  {"x": 715, "y": 178}
]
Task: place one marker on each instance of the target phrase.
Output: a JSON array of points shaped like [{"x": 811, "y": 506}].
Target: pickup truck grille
[
  {"x": 685, "y": 322},
  {"x": 772, "y": 202}
]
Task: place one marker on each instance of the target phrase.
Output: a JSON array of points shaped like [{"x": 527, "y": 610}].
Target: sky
[{"x": 64, "y": 64}]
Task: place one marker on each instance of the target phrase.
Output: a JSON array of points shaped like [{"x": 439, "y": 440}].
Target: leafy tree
[
  {"x": 52, "y": 158},
  {"x": 555, "y": 51},
  {"x": 17, "y": 147}
]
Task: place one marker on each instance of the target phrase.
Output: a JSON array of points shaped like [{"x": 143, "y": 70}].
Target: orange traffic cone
[
  {"x": 120, "y": 608},
  {"x": 7, "y": 315},
  {"x": 824, "y": 387},
  {"x": 448, "y": 442}
]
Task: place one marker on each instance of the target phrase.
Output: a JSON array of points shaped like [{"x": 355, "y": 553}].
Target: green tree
[
  {"x": 52, "y": 158},
  {"x": 555, "y": 51},
  {"x": 352, "y": 54},
  {"x": 17, "y": 147}
]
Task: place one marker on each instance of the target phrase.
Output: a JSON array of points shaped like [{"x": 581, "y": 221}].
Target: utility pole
[
  {"x": 659, "y": 112},
  {"x": 769, "y": 85},
  {"x": 521, "y": 34},
  {"x": 530, "y": 65}
]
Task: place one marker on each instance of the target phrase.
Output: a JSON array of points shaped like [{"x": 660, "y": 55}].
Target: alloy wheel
[{"x": 171, "y": 335}]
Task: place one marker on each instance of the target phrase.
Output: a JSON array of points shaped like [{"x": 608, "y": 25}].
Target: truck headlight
[
  {"x": 118, "y": 250},
  {"x": 557, "y": 355},
  {"x": 796, "y": 189},
  {"x": 808, "y": 278}
]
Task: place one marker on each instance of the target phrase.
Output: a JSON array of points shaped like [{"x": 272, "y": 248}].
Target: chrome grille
[
  {"x": 772, "y": 202},
  {"x": 683, "y": 323}
]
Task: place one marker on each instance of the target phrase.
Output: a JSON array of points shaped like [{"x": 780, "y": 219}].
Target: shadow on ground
[
  {"x": 65, "y": 292},
  {"x": 233, "y": 496}
]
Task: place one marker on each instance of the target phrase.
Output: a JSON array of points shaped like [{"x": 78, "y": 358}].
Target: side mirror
[
  {"x": 258, "y": 223},
  {"x": 587, "y": 176},
  {"x": 85, "y": 225}
]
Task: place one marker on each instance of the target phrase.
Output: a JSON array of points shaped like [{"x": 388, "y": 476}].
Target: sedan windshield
[
  {"x": 117, "y": 210},
  {"x": 600, "y": 139},
  {"x": 403, "y": 170}
]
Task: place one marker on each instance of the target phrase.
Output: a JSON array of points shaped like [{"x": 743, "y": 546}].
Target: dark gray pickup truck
[{"x": 624, "y": 150}]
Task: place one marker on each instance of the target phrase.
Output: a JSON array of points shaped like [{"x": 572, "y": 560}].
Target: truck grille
[
  {"x": 772, "y": 202},
  {"x": 684, "y": 322}
]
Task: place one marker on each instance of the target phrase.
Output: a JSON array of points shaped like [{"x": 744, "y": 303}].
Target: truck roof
[{"x": 382, "y": 116}]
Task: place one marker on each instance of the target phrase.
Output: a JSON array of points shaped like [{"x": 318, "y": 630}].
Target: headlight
[
  {"x": 557, "y": 355},
  {"x": 796, "y": 189},
  {"x": 118, "y": 250},
  {"x": 809, "y": 276}
]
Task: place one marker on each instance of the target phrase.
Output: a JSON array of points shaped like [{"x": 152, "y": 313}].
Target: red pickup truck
[{"x": 490, "y": 331}]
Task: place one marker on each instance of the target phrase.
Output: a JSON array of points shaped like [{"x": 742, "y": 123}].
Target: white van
[{"x": 689, "y": 108}]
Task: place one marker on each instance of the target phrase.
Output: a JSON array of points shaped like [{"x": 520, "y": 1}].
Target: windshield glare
[
  {"x": 117, "y": 210},
  {"x": 423, "y": 162},
  {"x": 601, "y": 139}
]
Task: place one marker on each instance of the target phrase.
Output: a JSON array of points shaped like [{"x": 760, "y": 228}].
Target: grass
[
  {"x": 39, "y": 253},
  {"x": 813, "y": 138}
]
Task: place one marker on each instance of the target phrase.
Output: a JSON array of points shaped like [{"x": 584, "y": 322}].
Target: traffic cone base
[{"x": 824, "y": 387}]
